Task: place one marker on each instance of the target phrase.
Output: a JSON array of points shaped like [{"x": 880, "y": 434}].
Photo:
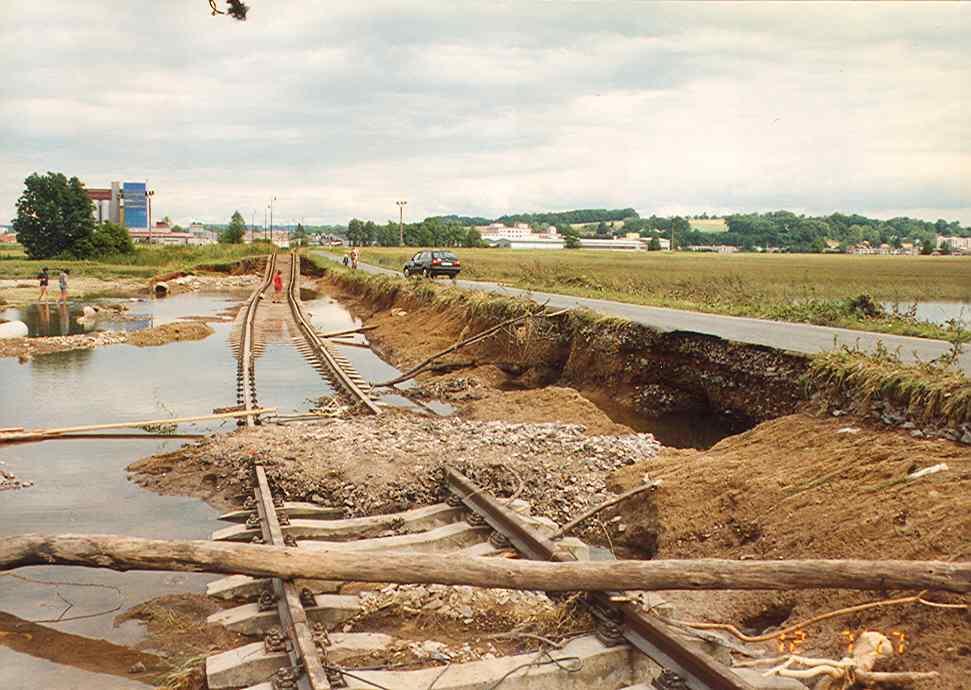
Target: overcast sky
[{"x": 488, "y": 108}]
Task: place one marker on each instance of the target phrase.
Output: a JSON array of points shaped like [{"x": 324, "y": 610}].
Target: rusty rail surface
[
  {"x": 344, "y": 375},
  {"x": 645, "y": 633},
  {"x": 306, "y": 670},
  {"x": 245, "y": 370}
]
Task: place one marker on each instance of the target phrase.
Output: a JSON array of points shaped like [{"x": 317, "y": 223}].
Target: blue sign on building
[{"x": 136, "y": 204}]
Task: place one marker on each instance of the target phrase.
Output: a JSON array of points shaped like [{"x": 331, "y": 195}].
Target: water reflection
[{"x": 55, "y": 319}]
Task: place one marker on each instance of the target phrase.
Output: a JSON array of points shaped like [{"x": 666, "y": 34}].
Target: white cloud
[{"x": 341, "y": 108}]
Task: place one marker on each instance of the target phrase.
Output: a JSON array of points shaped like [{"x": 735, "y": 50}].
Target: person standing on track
[
  {"x": 277, "y": 286},
  {"x": 43, "y": 278}
]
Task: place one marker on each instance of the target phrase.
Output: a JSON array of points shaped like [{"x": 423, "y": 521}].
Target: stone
[{"x": 138, "y": 667}]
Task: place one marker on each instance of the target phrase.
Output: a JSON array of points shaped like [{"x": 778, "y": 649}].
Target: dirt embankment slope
[
  {"x": 804, "y": 487},
  {"x": 642, "y": 372}
]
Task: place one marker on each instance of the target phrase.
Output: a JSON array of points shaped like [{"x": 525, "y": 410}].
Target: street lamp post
[
  {"x": 271, "y": 218},
  {"x": 401, "y": 222},
  {"x": 149, "y": 195}
]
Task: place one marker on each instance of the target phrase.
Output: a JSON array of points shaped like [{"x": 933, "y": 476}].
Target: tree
[
  {"x": 473, "y": 238},
  {"x": 654, "y": 245},
  {"x": 300, "y": 235},
  {"x": 927, "y": 247},
  {"x": 571, "y": 238},
  {"x": 233, "y": 234},
  {"x": 679, "y": 226},
  {"x": 110, "y": 238},
  {"x": 55, "y": 216}
]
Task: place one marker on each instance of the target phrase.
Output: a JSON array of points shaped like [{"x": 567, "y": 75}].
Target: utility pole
[
  {"x": 148, "y": 196},
  {"x": 252, "y": 225},
  {"x": 271, "y": 218},
  {"x": 264, "y": 221},
  {"x": 401, "y": 222}
]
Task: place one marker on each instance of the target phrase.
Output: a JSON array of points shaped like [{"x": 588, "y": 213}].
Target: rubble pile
[
  {"x": 396, "y": 462},
  {"x": 25, "y": 348}
]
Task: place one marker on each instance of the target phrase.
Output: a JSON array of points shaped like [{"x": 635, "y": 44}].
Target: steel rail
[
  {"x": 302, "y": 650},
  {"x": 324, "y": 356},
  {"x": 698, "y": 671},
  {"x": 245, "y": 370}
]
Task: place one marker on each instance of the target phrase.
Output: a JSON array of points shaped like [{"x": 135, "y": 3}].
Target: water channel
[{"x": 80, "y": 486}]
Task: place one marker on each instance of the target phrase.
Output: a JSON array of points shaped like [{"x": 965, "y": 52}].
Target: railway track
[
  {"x": 247, "y": 347},
  {"x": 298, "y": 620},
  {"x": 322, "y": 355}
]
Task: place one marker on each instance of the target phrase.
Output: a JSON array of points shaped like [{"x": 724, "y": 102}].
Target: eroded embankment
[{"x": 635, "y": 371}]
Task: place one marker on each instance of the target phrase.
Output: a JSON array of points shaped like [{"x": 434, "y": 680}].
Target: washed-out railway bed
[
  {"x": 323, "y": 634},
  {"x": 247, "y": 340}
]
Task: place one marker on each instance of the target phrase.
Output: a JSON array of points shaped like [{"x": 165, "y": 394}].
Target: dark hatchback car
[{"x": 433, "y": 263}]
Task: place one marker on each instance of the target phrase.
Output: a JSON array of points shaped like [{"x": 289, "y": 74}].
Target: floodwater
[
  {"x": 935, "y": 312},
  {"x": 80, "y": 486}
]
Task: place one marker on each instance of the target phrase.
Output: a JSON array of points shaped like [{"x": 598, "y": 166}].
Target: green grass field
[
  {"x": 811, "y": 288},
  {"x": 144, "y": 263}
]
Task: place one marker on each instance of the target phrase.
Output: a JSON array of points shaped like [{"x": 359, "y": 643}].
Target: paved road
[{"x": 783, "y": 335}]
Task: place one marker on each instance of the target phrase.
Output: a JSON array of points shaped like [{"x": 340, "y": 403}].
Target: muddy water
[{"x": 80, "y": 485}]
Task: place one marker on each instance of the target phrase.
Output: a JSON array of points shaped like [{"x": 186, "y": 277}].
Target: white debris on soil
[
  {"x": 9, "y": 481},
  {"x": 395, "y": 462},
  {"x": 190, "y": 282}
]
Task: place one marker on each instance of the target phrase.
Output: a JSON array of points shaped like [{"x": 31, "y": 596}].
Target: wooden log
[
  {"x": 132, "y": 553},
  {"x": 362, "y": 329},
  {"x": 43, "y": 433}
]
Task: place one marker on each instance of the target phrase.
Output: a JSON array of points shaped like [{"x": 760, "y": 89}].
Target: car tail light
[
  {"x": 456, "y": 263},
  {"x": 435, "y": 262}
]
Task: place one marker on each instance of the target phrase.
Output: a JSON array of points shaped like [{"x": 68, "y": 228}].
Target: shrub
[{"x": 110, "y": 238}]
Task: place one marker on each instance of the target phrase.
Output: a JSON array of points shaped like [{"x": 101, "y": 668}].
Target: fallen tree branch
[
  {"x": 565, "y": 529},
  {"x": 133, "y": 553},
  {"x": 414, "y": 371},
  {"x": 728, "y": 627}
]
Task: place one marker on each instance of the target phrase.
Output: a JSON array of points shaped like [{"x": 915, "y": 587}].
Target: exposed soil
[
  {"x": 556, "y": 467},
  {"x": 178, "y": 634},
  {"x": 98, "y": 656},
  {"x": 25, "y": 348},
  {"x": 24, "y": 290},
  {"x": 169, "y": 333},
  {"x": 805, "y": 487},
  {"x": 644, "y": 373}
]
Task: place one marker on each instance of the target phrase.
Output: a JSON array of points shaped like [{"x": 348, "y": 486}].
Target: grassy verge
[
  {"x": 928, "y": 390},
  {"x": 144, "y": 263},
  {"x": 825, "y": 290}
]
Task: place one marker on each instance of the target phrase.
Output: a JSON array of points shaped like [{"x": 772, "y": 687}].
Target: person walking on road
[
  {"x": 277, "y": 286},
  {"x": 62, "y": 283},
  {"x": 355, "y": 254},
  {"x": 43, "y": 278}
]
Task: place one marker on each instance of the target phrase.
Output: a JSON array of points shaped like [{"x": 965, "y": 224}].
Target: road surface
[{"x": 783, "y": 335}]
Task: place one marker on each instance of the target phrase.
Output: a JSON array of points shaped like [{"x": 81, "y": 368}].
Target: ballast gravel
[{"x": 395, "y": 462}]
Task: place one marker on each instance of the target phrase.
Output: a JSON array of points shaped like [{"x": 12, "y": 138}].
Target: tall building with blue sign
[{"x": 135, "y": 198}]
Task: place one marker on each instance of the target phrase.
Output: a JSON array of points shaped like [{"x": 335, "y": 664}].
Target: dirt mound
[
  {"x": 557, "y": 467},
  {"x": 170, "y": 332},
  {"x": 25, "y": 348},
  {"x": 803, "y": 487}
]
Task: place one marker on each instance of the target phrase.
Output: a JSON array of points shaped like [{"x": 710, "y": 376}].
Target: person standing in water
[
  {"x": 62, "y": 283},
  {"x": 277, "y": 286},
  {"x": 43, "y": 278}
]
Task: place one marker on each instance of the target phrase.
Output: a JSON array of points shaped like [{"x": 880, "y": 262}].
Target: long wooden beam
[
  {"x": 41, "y": 433},
  {"x": 133, "y": 553}
]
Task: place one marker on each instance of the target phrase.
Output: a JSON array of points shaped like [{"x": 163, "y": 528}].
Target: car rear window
[{"x": 444, "y": 255}]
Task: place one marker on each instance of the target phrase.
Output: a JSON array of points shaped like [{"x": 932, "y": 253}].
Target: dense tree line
[
  {"x": 584, "y": 215},
  {"x": 800, "y": 233},
  {"x": 462, "y": 220},
  {"x": 431, "y": 232}
]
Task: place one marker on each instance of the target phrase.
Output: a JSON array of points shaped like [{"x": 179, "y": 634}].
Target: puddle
[{"x": 80, "y": 486}]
